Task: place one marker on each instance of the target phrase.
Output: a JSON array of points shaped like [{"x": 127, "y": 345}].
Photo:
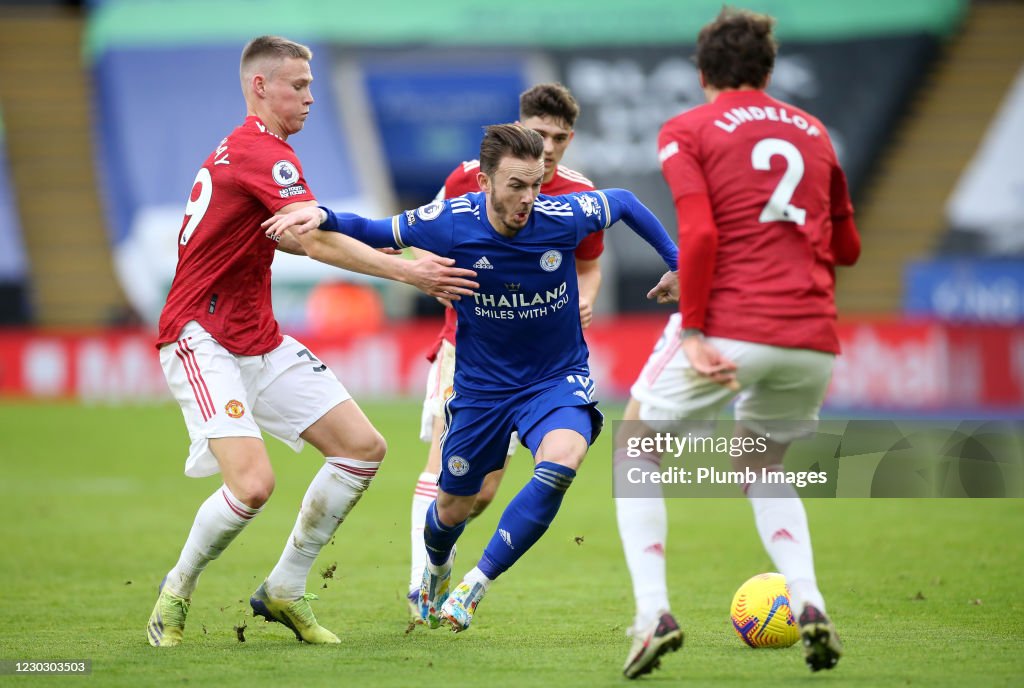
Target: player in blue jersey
[{"x": 522, "y": 362}]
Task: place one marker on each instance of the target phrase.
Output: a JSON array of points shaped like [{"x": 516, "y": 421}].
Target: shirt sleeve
[
  {"x": 429, "y": 227},
  {"x": 598, "y": 210},
  {"x": 271, "y": 172},
  {"x": 678, "y": 154},
  {"x": 698, "y": 246},
  {"x": 591, "y": 247},
  {"x": 845, "y": 242}
]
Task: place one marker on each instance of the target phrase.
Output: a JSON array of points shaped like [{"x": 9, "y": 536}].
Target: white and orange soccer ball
[{"x": 761, "y": 614}]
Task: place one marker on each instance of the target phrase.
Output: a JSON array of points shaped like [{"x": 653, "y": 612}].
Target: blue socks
[
  {"x": 525, "y": 519},
  {"x": 439, "y": 538}
]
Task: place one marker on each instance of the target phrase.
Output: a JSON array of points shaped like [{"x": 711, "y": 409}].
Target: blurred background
[{"x": 108, "y": 108}]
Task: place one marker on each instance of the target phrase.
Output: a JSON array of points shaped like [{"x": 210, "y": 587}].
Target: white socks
[
  {"x": 782, "y": 524},
  {"x": 643, "y": 527},
  {"x": 477, "y": 576},
  {"x": 334, "y": 491},
  {"x": 425, "y": 493},
  {"x": 220, "y": 518}
]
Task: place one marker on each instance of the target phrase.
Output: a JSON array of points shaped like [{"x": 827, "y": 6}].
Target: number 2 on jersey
[
  {"x": 779, "y": 208},
  {"x": 194, "y": 210}
]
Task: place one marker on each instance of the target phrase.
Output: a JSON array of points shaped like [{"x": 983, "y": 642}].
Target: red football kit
[
  {"x": 222, "y": 279},
  {"x": 463, "y": 180},
  {"x": 764, "y": 216}
]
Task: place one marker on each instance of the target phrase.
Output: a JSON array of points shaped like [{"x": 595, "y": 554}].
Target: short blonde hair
[{"x": 271, "y": 47}]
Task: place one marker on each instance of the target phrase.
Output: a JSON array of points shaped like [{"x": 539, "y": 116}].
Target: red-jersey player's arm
[
  {"x": 845, "y": 239},
  {"x": 698, "y": 245},
  {"x": 588, "y": 267},
  {"x": 698, "y": 234}
]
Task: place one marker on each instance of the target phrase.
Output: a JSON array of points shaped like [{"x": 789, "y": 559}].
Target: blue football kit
[
  {"x": 521, "y": 352},
  {"x": 521, "y": 361}
]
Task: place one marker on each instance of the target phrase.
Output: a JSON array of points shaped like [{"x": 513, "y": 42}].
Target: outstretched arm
[
  {"x": 432, "y": 274},
  {"x": 625, "y": 206}
]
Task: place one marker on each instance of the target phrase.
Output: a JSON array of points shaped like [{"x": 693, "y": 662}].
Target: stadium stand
[
  {"x": 903, "y": 211},
  {"x": 45, "y": 97},
  {"x": 13, "y": 265}
]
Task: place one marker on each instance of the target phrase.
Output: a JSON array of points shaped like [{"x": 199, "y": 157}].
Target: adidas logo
[
  {"x": 782, "y": 534},
  {"x": 483, "y": 264},
  {"x": 506, "y": 537}
]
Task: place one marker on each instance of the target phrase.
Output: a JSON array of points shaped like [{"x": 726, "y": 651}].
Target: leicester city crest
[
  {"x": 550, "y": 261},
  {"x": 458, "y": 466}
]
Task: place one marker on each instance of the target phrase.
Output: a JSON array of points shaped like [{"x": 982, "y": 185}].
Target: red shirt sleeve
[
  {"x": 698, "y": 244},
  {"x": 272, "y": 173},
  {"x": 591, "y": 247},
  {"x": 845, "y": 239},
  {"x": 698, "y": 234}
]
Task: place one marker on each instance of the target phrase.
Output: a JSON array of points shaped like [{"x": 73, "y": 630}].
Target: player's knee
[
  {"x": 453, "y": 510},
  {"x": 370, "y": 447},
  {"x": 571, "y": 460},
  {"x": 254, "y": 490}
]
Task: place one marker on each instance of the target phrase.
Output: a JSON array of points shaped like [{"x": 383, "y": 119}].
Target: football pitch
[{"x": 95, "y": 508}]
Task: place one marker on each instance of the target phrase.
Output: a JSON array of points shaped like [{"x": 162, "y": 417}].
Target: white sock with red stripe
[
  {"x": 424, "y": 494},
  {"x": 220, "y": 518},
  {"x": 332, "y": 494},
  {"x": 782, "y": 524},
  {"x": 643, "y": 527}
]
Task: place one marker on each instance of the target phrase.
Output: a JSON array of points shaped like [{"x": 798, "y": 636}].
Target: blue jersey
[
  {"x": 521, "y": 329},
  {"x": 522, "y": 326}
]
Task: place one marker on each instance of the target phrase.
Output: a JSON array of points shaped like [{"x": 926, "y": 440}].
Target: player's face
[
  {"x": 288, "y": 95},
  {"x": 511, "y": 193},
  {"x": 556, "y": 134}
]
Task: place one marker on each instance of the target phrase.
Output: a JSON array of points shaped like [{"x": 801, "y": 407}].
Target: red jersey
[
  {"x": 758, "y": 189},
  {"x": 222, "y": 279},
  {"x": 463, "y": 180}
]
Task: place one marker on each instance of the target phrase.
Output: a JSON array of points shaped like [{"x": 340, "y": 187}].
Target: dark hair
[
  {"x": 549, "y": 100},
  {"x": 273, "y": 46},
  {"x": 503, "y": 140},
  {"x": 737, "y": 49}
]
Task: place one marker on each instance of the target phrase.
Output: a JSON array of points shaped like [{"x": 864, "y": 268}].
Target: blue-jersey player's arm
[
  {"x": 429, "y": 228},
  {"x": 620, "y": 204},
  {"x": 432, "y": 274}
]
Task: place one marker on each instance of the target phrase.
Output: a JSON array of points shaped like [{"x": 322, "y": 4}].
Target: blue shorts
[{"x": 476, "y": 439}]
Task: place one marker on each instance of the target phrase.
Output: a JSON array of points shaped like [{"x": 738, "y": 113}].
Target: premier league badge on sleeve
[
  {"x": 285, "y": 173},
  {"x": 429, "y": 211}
]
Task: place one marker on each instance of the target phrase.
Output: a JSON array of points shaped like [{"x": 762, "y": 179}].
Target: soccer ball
[{"x": 761, "y": 614}]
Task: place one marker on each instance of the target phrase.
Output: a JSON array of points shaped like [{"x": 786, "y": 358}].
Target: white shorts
[
  {"x": 440, "y": 382},
  {"x": 776, "y": 384},
  {"x": 224, "y": 395}
]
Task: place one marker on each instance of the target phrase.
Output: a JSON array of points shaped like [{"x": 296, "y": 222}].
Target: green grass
[{"x": 95, "y": 508}]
